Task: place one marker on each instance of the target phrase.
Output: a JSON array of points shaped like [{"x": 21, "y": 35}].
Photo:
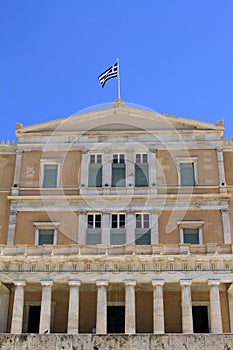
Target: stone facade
[{"x": 117, "y": 221}]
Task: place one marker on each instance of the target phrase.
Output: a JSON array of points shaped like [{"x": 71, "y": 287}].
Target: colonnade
[{"x": 130, "y": 308}]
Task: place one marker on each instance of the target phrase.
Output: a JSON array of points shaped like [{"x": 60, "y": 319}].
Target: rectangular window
[
  {"x": 95, "y": 171},
  {"x": 191, "y": 235},
  {"x": 94, "y": 220},
  {"x": 50, "y": 175},
  {"x": 118, "y": 220},
  {"x": 46, "y": 236},
  {"x": 187, "y": 174},
  {"x": 141, "y": 170},
  {"x": 142, "y": 221},
  {"x": 93, "y": 233},
  {"x": 118, "y": 170},
  {"x": 142, "y": 231}
]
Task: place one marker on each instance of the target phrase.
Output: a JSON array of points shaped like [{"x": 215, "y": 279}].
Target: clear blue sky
[{"x": 176, "y": 57}]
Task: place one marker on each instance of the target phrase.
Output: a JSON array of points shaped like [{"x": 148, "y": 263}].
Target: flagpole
[{"x": 118, "y": 80}]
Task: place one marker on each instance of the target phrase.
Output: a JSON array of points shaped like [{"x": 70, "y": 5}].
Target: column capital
[
  {"x": 46, "y": 283},
  {"x": 213, "y": 282},
  {"x": 73, "y": 283},
  {"x": 19, "y": 284},
  {"x": 130, "y": 283},
  {"x": 101, "y": 283},
  {"x": 185, "y": 282},
  {"x": 230, "y": 289},
  {"x": 157, "y": 283}
]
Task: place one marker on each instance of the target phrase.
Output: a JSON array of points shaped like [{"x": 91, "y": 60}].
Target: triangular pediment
[{"x": 118, "y": 117}]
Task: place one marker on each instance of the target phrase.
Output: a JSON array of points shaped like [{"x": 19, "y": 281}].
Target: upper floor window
[
  {"x": 118, "y": 220},
  {"x": 142, "y": 231},
  {"x": 46, "y": 232},
  {"x": 95, "y": 171},
  {"x": 141, "y": 170},
  {"x": 187, "y": 172},
  {"x": 118, "y": 170},
  {"x": 50, "y": 175},
  {"x": 94, "y": 221},
  {"x": 191, "y": 232}
]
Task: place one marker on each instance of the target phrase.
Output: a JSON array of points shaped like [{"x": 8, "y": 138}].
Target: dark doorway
[
  {"x": 116, "y": 319},
  {"x": 200, "y": 319},
  {"x": 34, "y": 319}
]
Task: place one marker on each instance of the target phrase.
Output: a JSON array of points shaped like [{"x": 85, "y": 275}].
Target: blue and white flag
[{"x": 108, "y": 74}]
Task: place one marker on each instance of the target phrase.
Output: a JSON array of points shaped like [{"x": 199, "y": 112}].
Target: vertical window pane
[
  {"x": 187, "y": 174},
  {"x": 122, "y": 158},
  {"x": 122, "y": 220},
  {"x": 115, "y": 158},
  {"x": 118, "y": 176},
  {"x": 146, "y": 221},
  {"x": 144, "y": 158},
  {"x": 98, "y": 221},
  {"x": 138, "y": 158},
  {"x": 46, "y": 236},
  {"x": 114, "y": 220},
  {"x": 92, "y": 159},
  {"x": 90, "y": 221},
  {"x": 99, "y": 158},
  {"x": 50, "y": 175},
  {"x": 191, "y": 235},
  {"x": 138, "y": 221}
]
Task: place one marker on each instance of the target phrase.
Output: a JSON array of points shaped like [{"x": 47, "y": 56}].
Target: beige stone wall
[
  {"x": 144, "y": 312},
  {"x": 67, "y": 230},
  {"x": 207, "y": 166},
  {"x": 212, "y": 229},
  {"x": 172, "y": 312},
  {"x": 87, "y": 316},
  {"x": 228, "y": 166},
  {"x": 7, "y": 168},
  {"x": 31, "y": 167},
  {"x": 61, "y": 298}
]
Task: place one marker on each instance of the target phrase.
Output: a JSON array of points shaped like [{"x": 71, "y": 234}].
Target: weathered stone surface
[
  {"x": 158, "y": 342},
  {"x": 116, "y": 342}
]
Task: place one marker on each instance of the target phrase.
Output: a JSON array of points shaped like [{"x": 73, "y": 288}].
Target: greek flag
[{"x": 108, "y": 74}]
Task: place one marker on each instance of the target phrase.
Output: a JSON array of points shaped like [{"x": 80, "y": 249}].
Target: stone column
[
  {"x": 215, "y": 307},
  {"x": 154, "y": 227},
  {"x": 45, "y": 312},
  {"x": 11, "y": 225},
  {"x": 105, "y": 228},
  {"x": 152, "y": 171},
  {"x": 73, "y": 313},
  {"x": 130, "y": 228},
  {"x": 158, "y": 311},
  {"x": 222, "y": 180},
  {"x": 4, "y": 305},
  {"x": 130, "y": 319},
  {"x": 230, "y": 303},
  {"x": 17, "y": 316},
  {"x": 84, "y": 171},
  {"x": 130, "y": 176},
  {"x": 226, "y": 226},
  {"x": 107, "y": 170},
  {"x": 18, "y": 161},
  {"x": 101, "y": 314},
  {"x": 82, "y": 227},
  {"x": 187, "y": 316}
]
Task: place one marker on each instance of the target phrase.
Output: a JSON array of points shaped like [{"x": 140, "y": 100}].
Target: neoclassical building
[{"x": 117, "y": 220}]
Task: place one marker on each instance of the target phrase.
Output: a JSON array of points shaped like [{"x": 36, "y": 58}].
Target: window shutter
[
  {"x": 118, "y": 236},
  {"x": 187, "y": 174},
  {"x": 93, "y": 236},
  {"x": 95, "y": 175},
  {"x": 142, "y": 236},
  {"x": 141, "y": 175},
  {"x": 118, "y": 175},
  {"x": 191, "y": 235},
  {"x": 46, "y": 236},
  {"x": 50, "y": 175}
]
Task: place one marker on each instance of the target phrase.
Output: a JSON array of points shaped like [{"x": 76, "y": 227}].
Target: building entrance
[
  {"x": 200, "y": 319},
  {"x": 116, "y": 319},
  {"x": 34, "y": 319}
]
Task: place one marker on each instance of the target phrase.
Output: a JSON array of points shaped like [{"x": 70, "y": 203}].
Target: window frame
[
  {"x": 118, "y": 158},
  {"x": 95, "y": 155},
  {"x": 118, "y": 221},
  {"x": 142, "y": 221},
  {"x": 141, "y": 158},
  {"x": 94, "y": 221},
  {"x": 192, "y": 160},
  {"x": 191, "y": 224},
  {"x": 42, "y": 168},
  {"x": 46, "y": 226}
]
